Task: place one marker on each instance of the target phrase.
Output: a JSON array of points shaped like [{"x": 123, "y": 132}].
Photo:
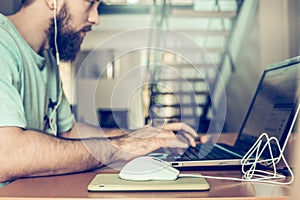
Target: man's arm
[
  {"x": 141, "y": 141},
  {"x": 31, "y": 153},
  {"x": 84, "y": 131},
  {"x": 27, "y": 153}
]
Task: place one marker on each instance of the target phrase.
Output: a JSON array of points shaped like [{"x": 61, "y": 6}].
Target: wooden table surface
[{"x": 74, "y": 186}]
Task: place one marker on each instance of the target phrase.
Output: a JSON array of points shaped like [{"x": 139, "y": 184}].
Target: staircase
[
  {"x": 178, "y": 89},
  {"x": 187, "y": 94}
]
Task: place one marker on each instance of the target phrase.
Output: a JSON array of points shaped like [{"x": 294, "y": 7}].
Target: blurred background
[{"x": 118, "y": 84}]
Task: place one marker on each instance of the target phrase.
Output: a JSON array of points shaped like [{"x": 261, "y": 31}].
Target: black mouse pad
[{"x": 112, "y": 182}]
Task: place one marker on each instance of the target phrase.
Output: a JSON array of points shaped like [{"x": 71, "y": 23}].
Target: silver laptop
[{"x": 273, "y": 110}]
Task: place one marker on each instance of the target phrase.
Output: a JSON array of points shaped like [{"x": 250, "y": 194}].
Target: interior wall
[
  {"x": 294, "y": 27},
  {"x": 274, "y": 30},
  {"x": 273, "y": 37},
  {"x": 240, "y": 87}
]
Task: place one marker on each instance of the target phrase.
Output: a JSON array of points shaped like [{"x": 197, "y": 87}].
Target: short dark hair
[{"x": 25, "y": 2}]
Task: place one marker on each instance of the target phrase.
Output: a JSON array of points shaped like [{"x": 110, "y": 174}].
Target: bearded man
[{"x": 38, "y": 133}]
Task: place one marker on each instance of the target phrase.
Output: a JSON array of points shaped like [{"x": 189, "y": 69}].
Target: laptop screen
[{"x": 275, "y": 104}]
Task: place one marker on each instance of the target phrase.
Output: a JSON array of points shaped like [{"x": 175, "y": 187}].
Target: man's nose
[{"x": 94, "y": 17}]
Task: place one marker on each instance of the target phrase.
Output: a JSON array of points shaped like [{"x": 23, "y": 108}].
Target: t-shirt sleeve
[{"x": 11, "y": 107}]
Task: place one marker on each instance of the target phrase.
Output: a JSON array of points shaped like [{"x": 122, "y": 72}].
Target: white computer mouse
[{"x": 147, "y": 168}]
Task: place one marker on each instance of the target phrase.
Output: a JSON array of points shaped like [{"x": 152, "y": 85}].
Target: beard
[{"x": 68, "y": 40}]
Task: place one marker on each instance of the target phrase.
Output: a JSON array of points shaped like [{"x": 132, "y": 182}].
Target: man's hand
[{"x": 148, "y": 139}]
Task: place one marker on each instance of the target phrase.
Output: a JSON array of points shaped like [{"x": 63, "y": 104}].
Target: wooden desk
[{"x": 75, "y": 187}]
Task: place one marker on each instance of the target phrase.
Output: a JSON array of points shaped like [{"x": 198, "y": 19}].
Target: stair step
[
  {"x": 188, "y": 93},
  {"x": 204, "y": 14},
  {"x": 185, "y": 65},
  {"x": 209, "y": 33},
  {"x": 177, "y": 117},
  {"x": 182, "y": 105},
  {"x": 182, "y": 80}
]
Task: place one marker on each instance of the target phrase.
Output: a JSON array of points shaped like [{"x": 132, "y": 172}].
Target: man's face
[{"x": 71, "y": 30}]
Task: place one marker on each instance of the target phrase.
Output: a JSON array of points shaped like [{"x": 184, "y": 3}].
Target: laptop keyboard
[{"x": 202, "y": 152}]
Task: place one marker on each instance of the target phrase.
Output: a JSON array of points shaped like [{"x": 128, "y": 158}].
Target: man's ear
[{"x": 52, "y": 4}]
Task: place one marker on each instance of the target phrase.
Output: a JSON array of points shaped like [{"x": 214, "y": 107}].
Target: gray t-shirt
[{"x": 30, "y": 86}]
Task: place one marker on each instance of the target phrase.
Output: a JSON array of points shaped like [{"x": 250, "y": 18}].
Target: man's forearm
[
  {"x": 31, "y": 153},
  {"x": 84, "y": 131}
]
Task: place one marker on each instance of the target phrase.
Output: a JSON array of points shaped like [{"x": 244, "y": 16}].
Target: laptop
[{"x": 273, "y": 110}]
